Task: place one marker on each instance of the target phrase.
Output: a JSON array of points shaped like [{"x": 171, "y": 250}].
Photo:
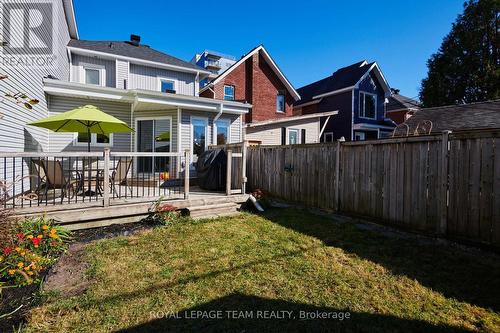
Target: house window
[
  {"x": 367, "y": 105},
  {"x": 95, "y": 139},
  {"x": 293, "y": 136},
  {"x": 93, "y": 74},
  {"x": 328, "y": 137},
  {"x": 280, "y": 103},
  {"x": 222, "y": 132},
  {"x": 359, "y": 136},
  {"x": 167, "y": 86},
  {"x": 229, "y": 93}
]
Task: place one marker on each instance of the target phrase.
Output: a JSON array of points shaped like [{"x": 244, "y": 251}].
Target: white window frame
[
  {"x": 191, "y": 137},
  {"x": 288, "y": 130},
  {"x": 100, "y": 68},
  {"x": 284, "y": 103},
  {"x": 224, "y": 92},
  {"x": 175, "y": 82},
  {"x": 228, "y": 122},
  {"x": 93, "y": 141},
  {"x": 326, "y": 134},
  {"x": 362, "y": 135},
  {"x": 364, "y": 104}
]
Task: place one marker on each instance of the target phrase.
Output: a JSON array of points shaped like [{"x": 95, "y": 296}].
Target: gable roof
[
  {"x": 126, "y": 49},
  {"x": 459, "y": 117},
  {"x": 400, "y": 102},
  {"x": 343, "y": 79},
  {"x": 271, "y": 63}
]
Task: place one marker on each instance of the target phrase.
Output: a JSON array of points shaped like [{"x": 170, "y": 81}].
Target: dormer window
[
  {"x": 167, "y": 86},
  {"x": 229, "y": 93}
]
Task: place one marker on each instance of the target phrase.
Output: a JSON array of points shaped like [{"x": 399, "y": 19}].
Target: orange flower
[
  {"x": 29, "y": 236},
  {"x": 20, "y": 264},
  {"x": 39, "y": 236},
  {"x": 45, "y": 227},
  {"x": 12, "y": 271}
]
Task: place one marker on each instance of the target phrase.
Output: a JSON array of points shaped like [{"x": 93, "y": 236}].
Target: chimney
[{"x": 135, "y": 40}]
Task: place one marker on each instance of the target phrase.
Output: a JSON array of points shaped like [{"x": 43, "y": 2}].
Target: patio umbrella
[{"x": 84, "y": 119}]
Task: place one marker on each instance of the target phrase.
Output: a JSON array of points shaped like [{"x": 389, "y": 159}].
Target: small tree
[{"x": 466, "y": 67}]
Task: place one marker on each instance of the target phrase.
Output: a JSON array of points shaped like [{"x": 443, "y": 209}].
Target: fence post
[
  {"x": 337, "y": 176},
  {"x": 244, "y": 167},
  {"x": 228, "y": 173},
  {"x": 443, "y": 193},
  {"x": 187, "y": 158},
  {"x": 106, "y": 178}
]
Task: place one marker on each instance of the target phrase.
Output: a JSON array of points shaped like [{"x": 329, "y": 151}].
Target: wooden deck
[{"x": 93, "y": 214}]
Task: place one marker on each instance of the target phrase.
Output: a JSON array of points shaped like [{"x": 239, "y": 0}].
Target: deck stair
[{"x": 214, "y": 210}]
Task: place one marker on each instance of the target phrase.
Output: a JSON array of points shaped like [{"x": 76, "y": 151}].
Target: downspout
[{"x": 132, "y": 123}]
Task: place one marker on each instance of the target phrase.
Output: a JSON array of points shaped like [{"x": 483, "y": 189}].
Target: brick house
[
  {"x": 257, "y": 80},
  {"x": 400, "y": 108}
]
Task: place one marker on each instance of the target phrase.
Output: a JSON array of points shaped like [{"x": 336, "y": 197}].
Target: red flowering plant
[
  {"x": 262, "y": 197},
  {"x": 164, "y": 213},
  {"x": 34, "y": 246}
]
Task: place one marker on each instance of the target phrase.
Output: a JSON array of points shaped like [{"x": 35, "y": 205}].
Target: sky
[{"x": 308, "y": 40}]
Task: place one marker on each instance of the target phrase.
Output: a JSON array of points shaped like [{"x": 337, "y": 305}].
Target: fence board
[{"x": 394, "y": 181}]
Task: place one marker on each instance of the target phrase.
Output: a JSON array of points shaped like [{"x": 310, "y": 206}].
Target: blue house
[{"x": 359, "y": 93}]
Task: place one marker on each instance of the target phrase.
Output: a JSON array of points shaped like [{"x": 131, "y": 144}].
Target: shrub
[
  {"x": 35, "y": 246},
  {"x": 165, "y": 214},
  {"x": 262, "y": 197}
]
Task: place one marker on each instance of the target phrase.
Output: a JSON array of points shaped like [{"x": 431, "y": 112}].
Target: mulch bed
[{"x": 67, "y": 276}]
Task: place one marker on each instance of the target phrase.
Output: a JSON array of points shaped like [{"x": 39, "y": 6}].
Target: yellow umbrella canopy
[{"x": 84, "y": 119}]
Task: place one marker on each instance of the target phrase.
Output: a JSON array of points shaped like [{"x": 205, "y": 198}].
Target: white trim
[
  {"x": 165, "y": 78},
  {"x": 214, "y": 130},
  {"x": 102, "y": 73},
  {"x": 361, "y": 135},
  {"x": 273, "y": 66},
  {"x": 380, "y": 76},
  {"x": 93, "y": 141},
  {"x": 364, "y": 104},
  {"x": 69, "y": 11},
  {"x": 402, "y": 109},
  {"x": 137, "y": 60},
  {"x": 316, "y": 101},
  {"x": 293, "y": 118},
  {"x": 191, "y": 137},
  {"x": 365, "y": 126},
  {"x": 334, "y": 92}
]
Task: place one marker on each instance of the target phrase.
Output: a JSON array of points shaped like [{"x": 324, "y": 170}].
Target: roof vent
[{"x": 135, "y": 40}]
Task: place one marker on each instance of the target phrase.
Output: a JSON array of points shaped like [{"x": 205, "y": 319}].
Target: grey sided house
[
  {"x": 359, "y": 92},
  {"x": 154, "y": 93}
]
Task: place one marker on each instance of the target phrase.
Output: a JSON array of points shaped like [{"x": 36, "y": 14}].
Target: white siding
[
  {"x": 77, "y": 68},
  {"x": 122, "y": 74},
  {"x": 271, "y": 134},
  {"x": 64, "y": 141},
  {"x": 147, "y": 78},
  {"x": 15, "y": 136}
]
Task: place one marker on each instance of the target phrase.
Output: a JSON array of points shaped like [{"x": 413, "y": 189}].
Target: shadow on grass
[
  {"x": 470, "y": 277},
  {"x": 250, "y": 318}
]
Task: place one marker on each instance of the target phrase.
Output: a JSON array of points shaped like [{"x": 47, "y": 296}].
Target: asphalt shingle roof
[
  {"x": 342, "y": 78},
  {"x": 459, "y": 117},
  {"x": 126, "y": 49},
  {"x": 398, "y": 102}
]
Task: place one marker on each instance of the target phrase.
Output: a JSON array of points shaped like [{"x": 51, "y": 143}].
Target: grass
[{"x": 288, "y": 260}]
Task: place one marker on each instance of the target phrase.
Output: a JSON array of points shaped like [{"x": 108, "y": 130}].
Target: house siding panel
[
  {"x": 339, "y": 124},
  {"x": 16, "y": 136},
  {"x": 77, "y": 68},
  {"x": 122, "y": 74},
  {"x": 65, "y": 141},
  {"x": 271, "y": 134},
  {"x": 147, "y": 78}
]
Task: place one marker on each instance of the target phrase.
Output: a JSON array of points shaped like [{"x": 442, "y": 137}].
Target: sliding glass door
[{"x": 154, "y": 135}]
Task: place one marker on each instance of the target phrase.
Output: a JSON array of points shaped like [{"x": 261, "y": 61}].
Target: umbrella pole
[{"x": 89, "y": 164}]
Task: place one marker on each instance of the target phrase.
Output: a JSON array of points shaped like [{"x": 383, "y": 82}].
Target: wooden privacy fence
[{"x": 447, "y": 184}]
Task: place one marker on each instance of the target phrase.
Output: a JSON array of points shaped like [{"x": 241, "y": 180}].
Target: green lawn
[{"x": 289, "y": 260}]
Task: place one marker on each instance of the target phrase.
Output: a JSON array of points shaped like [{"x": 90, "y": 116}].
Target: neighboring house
[
  {"x": 154, "y": 93},
  {"x": 213, "y": 61},
  {"x": 359, "y": 92},
  {"x": 256, "y": 79},
  {"x": 474, "y": 116},
  {"x": 400, "y": 108}
]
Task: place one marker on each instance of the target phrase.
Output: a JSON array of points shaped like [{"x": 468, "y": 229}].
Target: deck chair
[
  {"x": 119, "y": 175},
  {"x": 424, "y": 128},
  {"x": 55, "y": 178},
  {"x": 401, "y": 130}
]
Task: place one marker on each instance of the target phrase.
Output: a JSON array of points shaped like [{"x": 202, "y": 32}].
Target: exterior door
[
  {"x": 153, "y": 135},
  {"x": 199, "y": 129}
]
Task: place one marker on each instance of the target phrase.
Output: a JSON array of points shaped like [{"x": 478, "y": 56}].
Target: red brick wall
[
  {"x": 255, "y": 82},
  {"x": 398, "y": 117}
]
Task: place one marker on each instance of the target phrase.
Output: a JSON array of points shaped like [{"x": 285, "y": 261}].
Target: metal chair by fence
[
  {"x": 424, "y": 128},
  {"x": 118, "y": 176},
  {"x": 55, "y": 178},
  {"x": 401, "y": 130}
]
